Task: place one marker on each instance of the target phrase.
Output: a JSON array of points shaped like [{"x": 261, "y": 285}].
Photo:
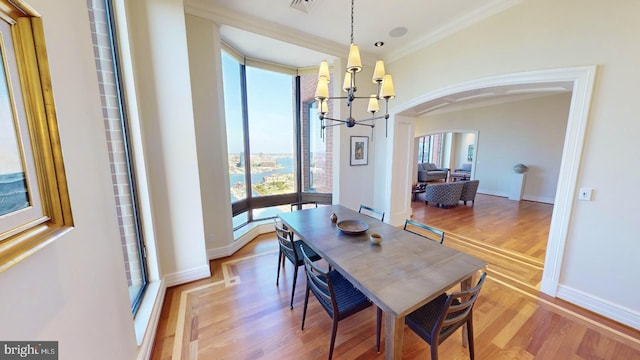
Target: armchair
[{"x": 445, "y": 195}]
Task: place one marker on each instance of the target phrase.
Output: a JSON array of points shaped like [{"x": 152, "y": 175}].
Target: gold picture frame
[{"x": 34, "y": 162}]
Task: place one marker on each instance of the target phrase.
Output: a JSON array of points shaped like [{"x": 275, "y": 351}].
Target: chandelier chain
[{"x": 352, "y": 1}]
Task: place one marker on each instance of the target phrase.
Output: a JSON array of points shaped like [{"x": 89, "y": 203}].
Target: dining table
[{"x": 399, "y": 275}]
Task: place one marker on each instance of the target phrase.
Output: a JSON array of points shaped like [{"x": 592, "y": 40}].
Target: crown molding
[{"x": 223, "y": 16}]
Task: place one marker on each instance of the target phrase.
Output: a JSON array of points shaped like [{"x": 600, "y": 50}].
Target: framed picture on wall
[
  {"x": 470, "y": 152},
  {"x": 359, "y": 150},
  {"x": 34, "y": 203}
]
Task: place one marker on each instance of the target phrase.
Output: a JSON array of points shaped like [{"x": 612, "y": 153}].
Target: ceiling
[
  {"x": 278, "y": 32},
  {"x": 328, "y": 22}
]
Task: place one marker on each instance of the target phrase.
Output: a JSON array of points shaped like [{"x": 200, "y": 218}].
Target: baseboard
[
  {"x": 150, "y": 320},
  {"x": 255, "y": 231},
  {"x": 186, "y": 276},
  {"x": 540, "y": 199},
  {"x": 600, "y": 306}
]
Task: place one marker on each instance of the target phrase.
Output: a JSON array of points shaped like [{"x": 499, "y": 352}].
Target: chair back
[
  {"x": 456, "y": 311},
  {"x": 319, "y": 283},
  {"x": 445, "y": 194},
  {"x": 469, "y": 190},
  {"x": 371, "y": 212},
  {"x": 424, "y": 230},
  {"x": 303, "y": 205},
  {"x": 285, "y": 241}
]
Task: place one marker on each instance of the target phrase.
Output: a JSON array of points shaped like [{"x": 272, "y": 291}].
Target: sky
[{"x": 271, "y": 106}]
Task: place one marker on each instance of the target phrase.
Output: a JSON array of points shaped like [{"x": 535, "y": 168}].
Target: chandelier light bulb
[
  {"x": 387, "y": 91},
  {"x": 324, "y": 71},
  {"x": 346, "y": 85},
  {"x": 354, "y": 62},
  {"x": 322, "y": 90},
  {"x": 373, "y": 104},
  {"x": 378, "y": 72}
]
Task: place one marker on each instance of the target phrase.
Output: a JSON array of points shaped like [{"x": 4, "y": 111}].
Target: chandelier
[{"x": 354, "y": 65}]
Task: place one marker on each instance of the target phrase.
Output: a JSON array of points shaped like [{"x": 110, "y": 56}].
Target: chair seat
[
  {"x": 349, "y": 299},
  {"x": 312, "y": 254}
]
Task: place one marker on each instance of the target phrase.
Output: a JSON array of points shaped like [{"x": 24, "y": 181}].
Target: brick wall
[
  {"x": 323, "y": 169},
  {"x": 115, "y": 142}
]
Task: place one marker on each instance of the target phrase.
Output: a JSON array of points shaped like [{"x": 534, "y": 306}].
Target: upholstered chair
[
  {"x": 445, "y": 195},
  {"x": 469, "y": 191}
]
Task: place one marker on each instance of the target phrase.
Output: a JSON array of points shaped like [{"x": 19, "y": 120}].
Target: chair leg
[
  {"x": 470, "y": 336},
  {"x": 279, "y": 261},
  {"x": 293, "y": 290},
  {"x": 304, "y": 311},
  {"x": 378, "y": 326},
  {"x": 434, "y": 350},
  {"x": 334, "y": 330}
]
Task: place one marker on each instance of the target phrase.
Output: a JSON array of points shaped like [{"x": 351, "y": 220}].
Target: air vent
[{"x": 304, "y": 5}]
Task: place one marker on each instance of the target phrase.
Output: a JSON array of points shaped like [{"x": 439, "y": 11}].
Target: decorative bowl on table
[
  {"x": 375, "y": 239},
  {"x": 352, "y": 227}
]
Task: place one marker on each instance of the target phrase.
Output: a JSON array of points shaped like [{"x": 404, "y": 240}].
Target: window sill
[{"x": 148, "y": 314}]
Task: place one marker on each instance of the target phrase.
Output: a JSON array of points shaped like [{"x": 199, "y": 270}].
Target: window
[
  {"x": 317, "y": 175},
  {"x": 430, "y": 149},
  {"x": 116, "y": 128},
  {"x": 270, "y": 107},
  {"x": 276, "y": 155}
]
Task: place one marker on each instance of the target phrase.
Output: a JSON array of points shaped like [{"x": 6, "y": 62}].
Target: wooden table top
[{"x": 401, "y": 274}]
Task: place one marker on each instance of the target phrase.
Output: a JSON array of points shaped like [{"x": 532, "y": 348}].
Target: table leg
[{"x": 393, "y": 336}]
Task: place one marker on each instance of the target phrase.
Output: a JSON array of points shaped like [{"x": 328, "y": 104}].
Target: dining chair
[
  {"x": 371, "y": 212},
  {"x": 438, "y": 319},
  {"x": 290, "y": 249},
  {"x": 301, "y": 205},
  {"x": 426, "y": 231},
  {"x": 339, "y": 298}
]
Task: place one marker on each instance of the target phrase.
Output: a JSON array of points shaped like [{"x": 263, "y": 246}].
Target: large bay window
[{"x": 275, "y": 153}]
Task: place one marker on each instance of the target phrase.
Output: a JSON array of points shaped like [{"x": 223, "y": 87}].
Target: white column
[{"x": 516, "y": 186}]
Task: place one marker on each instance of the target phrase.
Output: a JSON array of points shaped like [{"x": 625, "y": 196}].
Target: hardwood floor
[{"x": 239, "y": 313}]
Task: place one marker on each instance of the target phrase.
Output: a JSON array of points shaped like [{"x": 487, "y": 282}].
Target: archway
[{"x": 582, "y": 80}]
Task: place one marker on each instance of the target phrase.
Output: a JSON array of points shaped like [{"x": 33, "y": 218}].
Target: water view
[{"x": 271, "y": 174}]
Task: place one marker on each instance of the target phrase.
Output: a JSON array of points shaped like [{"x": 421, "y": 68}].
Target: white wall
[
  {"x": 74, "y": 291},
  {"x": 529, "y": 131},
  {"x": 548, "y": 34},
  {"x": 161, "y": 65},
  {"x": 208, "y": 104}
]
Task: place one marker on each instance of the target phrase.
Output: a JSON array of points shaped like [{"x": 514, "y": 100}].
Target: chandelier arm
[
  {"x": 371, "y": 119},
  {"x": 361, "y": 97},
  {"x": 332, "y": 119},
  {"x": 330, "y": 125}
]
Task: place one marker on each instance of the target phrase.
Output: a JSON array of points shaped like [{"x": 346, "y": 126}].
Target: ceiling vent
[{"x": 304, "y": 5}]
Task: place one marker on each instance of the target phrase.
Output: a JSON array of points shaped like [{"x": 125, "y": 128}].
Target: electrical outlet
[{"x": 585, "y": 194}]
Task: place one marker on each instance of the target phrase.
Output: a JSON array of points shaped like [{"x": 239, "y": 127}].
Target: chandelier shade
[{"x": 385, "y": 90}]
